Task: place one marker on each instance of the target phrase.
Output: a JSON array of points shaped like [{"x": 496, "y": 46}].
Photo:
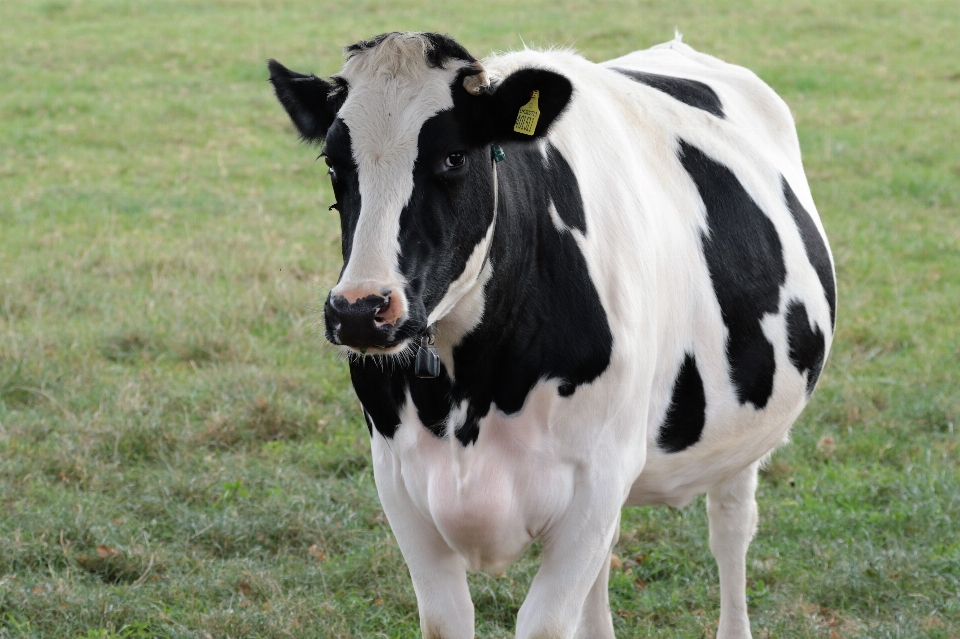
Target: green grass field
[{"x": 180, "y": 454}]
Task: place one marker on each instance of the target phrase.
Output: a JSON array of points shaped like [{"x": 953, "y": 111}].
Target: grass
[{"x": 181, "y": 457}]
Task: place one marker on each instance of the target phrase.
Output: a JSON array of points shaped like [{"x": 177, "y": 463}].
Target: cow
[{"x": 567, "y": 287}]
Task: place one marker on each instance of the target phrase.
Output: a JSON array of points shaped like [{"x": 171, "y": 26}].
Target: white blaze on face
[{"x": 392, "y": 93}]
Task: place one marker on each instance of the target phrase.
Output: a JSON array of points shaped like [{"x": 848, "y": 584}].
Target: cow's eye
[
  {"x": 331, "y": 171},
  {"x": 454, "y": 160}
]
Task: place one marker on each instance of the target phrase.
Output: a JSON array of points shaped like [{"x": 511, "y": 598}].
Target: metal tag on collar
[
  {"x": 427, "y": 364},
  {"x": 497, "y": 153}
]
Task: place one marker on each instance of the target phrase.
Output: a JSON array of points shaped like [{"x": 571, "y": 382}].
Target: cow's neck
[{"x": 542, "y": 318}]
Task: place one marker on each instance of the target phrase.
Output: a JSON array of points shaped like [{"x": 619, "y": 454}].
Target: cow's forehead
[{"x": 393, "y": 90}]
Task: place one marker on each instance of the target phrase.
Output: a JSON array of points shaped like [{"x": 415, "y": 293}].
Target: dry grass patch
[
  {"x": 120, "y": 566},
  {"x": 260, "y": 421}
]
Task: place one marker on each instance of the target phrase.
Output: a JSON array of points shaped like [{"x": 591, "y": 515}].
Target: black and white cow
[{"x": 631, "y": 308}]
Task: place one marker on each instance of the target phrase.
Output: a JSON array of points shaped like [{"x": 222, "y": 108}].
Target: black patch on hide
[
  {"x": 366, "y": 418},
  {"x": 686, "y": 416},
  {"x": 381, "y": 392},
  {"x": 745, "y": 259},
  {"x": 815, "y": 247},
  {"x": 690, "y": 92},
  {"x": 432, "y": 399},
  {"x": 807, "y": 345},
  {"x": 381, "y": 385},
  {"x": 564, "y": 191}
]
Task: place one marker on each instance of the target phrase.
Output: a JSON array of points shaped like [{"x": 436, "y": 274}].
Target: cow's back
[{"x": 748, "y": 102}]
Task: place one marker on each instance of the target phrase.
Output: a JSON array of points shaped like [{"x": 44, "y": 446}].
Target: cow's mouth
[{"x": 384, "y": 340}]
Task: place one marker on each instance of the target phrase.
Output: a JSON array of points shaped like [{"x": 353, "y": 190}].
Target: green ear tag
[
  {"x": 528, "y": 115},
  {"x": 497, "y": 153}
]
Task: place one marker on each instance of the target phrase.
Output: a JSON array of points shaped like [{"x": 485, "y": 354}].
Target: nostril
[{"x": 382, "y": 314}]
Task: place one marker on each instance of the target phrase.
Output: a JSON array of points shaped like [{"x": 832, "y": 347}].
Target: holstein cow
[{"x": 631, "y": 308}]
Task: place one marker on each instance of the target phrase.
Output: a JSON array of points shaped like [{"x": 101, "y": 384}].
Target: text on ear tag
[{"x": 528, "y": 115}]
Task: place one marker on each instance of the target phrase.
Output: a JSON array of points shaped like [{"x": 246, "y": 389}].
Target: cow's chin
[{"x": 398, "y": 350}]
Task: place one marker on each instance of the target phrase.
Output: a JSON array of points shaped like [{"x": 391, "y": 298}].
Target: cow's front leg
[
  {"x": 595, "y": 619},
  {"x": 571, "y": 584},
  {"x": 438, "y": 573},
  {"x": 732, "y": 511}
]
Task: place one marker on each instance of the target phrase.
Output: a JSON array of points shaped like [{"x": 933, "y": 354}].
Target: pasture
[{"x": 182, "y": 456}]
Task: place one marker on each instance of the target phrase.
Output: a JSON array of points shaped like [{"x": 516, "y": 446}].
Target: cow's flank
[{"x": 745, "y": 258}]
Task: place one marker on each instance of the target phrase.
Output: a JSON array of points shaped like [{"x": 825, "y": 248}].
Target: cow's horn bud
[{"x": 477, "y": 84}]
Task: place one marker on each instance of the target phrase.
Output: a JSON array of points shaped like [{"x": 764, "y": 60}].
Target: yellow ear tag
[{"x": 528, "y": 115}]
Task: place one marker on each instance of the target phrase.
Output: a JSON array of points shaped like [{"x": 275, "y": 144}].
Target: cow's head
[{"x": 407, "y": 128}]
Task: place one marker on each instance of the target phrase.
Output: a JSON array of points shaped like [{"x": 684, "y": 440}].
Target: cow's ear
[
  {"x": 515, "y": 91},
  {"x": 306, "y": 99}
]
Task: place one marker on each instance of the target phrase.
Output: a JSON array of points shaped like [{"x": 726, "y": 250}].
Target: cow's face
[{"x": 407, "y": 128}]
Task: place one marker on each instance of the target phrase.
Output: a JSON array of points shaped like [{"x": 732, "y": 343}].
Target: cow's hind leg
[{"x": 732, "y": 511}]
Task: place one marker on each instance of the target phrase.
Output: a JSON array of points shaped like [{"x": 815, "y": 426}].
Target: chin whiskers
[
  {"x": 405, "y": 357},
  {"x": 384, "y": 361},
  {"x": 345, "y": 355}
]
